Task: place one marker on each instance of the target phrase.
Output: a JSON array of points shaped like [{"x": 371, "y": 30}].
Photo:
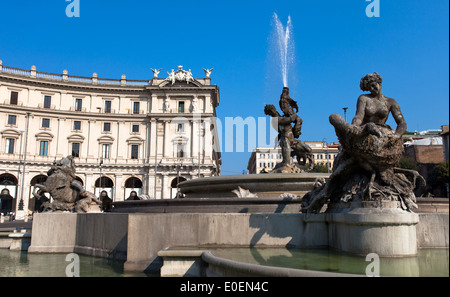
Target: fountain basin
[{"x": 263, "y": 185}]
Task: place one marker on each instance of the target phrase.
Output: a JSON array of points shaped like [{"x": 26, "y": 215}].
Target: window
[
  {"x": 181, "y": 107},
  {"x": 75, "y": 149},
  {"x": 12, "y": 119},
  {"x": 105, "y": 150},
  {"x": 78, "y": 104},
  {"x": 135, "y": 128},
  {"x": 262, "y": 156},
  {"x": 76, "y": 125},
  {"x": 107, "y": 106},
  {"x": 13, "y": 99},
  {"x": 45, "y": 123},
  {"x": 43, "y": 148},
  {"x": 106, "y": 127},
  {"x": 136, "y": 107},
  {"x": 180, "y": 151},
  {"x": 180, "y": 128},
  {"x": 134, "y": 151},
  {"x": 10, "y": 145},
  {"x": 47, "y": 101}
]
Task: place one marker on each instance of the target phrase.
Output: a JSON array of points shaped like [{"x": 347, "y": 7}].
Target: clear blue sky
[{"x": 336, "y": 44}]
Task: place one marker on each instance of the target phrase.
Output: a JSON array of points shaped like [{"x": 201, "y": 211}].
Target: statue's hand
[{"x": 373, "y": 129}]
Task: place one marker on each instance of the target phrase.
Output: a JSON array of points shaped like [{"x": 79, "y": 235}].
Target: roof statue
[
  {"x": 180, "y": 75},
  {"x": 208, "y": 72},
  {"x": 156, "y": 72}
]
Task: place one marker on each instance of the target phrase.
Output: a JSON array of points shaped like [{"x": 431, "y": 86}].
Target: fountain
[
  {"x": 285, "y": 42},
  {"x": 368, "y": 204}
]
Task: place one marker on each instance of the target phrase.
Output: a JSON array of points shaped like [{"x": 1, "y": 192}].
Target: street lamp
[
  {"x": 326, "y": 154},
  {"x": 345, "y": 113},
  {"x": 156, "y": 154},
  {"x": 21, "y": 212}
]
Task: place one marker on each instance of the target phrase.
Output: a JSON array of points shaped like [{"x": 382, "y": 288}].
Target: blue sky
[{"x": 335, "y": 45}]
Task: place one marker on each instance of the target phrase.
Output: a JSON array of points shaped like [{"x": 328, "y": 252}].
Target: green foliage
[
  {"x": 407, "y": 163},
  {"x": 440, "y": 174},
  {"x": 320, "y": 168}
]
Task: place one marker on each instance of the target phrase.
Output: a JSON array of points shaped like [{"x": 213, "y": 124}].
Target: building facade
[
  {"x": 264, "y": 159},
  {"x": 125, "y": 135}
]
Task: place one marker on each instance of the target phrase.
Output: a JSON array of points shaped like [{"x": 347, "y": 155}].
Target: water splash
[{"x": 285, "y": 42}]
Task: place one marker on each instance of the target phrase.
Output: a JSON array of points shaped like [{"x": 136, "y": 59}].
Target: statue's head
[
  {"x": 371, "y": 83},
  {"x": 270, "y": 110}
]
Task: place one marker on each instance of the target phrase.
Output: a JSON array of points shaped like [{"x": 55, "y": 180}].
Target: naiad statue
[{"x": 364, "y": 169}]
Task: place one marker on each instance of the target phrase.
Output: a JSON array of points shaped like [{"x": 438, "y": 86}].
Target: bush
[{"x": 407, "y": 163}]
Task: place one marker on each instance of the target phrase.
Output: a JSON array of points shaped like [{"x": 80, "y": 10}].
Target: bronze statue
[
  {"x": 288, "y": 134},
  {"x": 67, "y": 193},
  {"x": 365, "y": 170}
]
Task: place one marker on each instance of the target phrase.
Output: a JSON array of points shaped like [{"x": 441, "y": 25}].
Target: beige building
[
  {"x": 266, "y": 158},
  {"x": 125, "y": 135}
]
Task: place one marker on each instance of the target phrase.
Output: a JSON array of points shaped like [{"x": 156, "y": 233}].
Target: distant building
[
  {"x": 264, "y": 159},
  {"x": 125, "y": 135},
  {"x": 445, "y": 141},
  {"x": 427, "y": 150}
]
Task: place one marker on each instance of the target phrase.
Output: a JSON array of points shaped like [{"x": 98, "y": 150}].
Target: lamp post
[
  {"x": 345, "y": 113},
  {"x": 199, "y": 144},
  {"x": 101, "y": 175},
  {"x": 21, "y": 203},
  {"x": 156, "y": 153},
  {"x": 326, "y": 154}
]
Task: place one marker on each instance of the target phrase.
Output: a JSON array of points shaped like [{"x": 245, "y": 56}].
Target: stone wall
[{"x": 139, "y": 237}]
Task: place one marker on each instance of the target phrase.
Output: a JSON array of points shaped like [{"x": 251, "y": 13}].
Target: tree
[
  {"x": 407, "y": 163},
  {"x": 319, "y": 168},
  {"x": 440, "y": 174}
]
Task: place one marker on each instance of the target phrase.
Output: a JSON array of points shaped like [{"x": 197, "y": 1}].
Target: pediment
[
  {"x": 44, "y": 136},
  {"x": 135, "y": 139},
  {"x": 105, "y": 139},
  {"x": 10, "y": 133},
  {"x": 76, "y": 138}
]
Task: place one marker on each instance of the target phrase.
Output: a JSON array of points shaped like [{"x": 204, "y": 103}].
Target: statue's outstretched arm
[
  {"x": 360, "y": 111},
  {"x": 398, "y": 117}
]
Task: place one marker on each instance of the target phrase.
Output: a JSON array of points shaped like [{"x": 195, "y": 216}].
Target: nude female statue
[{"x": 365, "y": 167}]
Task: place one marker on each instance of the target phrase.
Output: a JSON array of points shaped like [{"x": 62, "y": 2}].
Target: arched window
[
  {"x": 174, "y": 185},
  {"x": 8, "y": 189},
  {"x": 133, "y": 184},
  {"x": 105, "y": 184},
  {"x": 35, "y": 204}
]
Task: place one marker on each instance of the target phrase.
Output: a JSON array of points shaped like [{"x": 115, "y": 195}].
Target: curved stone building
[{"x": 125, "y": 135}]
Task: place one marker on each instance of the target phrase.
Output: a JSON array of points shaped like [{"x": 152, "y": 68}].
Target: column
[
  {"x": 167, "y": 137},
  {"x": 152, "y": 139},
  {"x": 89, "y": 182},
  {"x": 154, "y": 104},
  {"x": 194, "y": 139},
  {"x": 207, "y": 141},
  {"x": 165, "y": 187},
  {"x": 119, "y": 189}
]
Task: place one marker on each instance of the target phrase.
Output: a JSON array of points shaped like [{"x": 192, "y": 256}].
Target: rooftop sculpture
[{"x": 365, "y": 169}]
